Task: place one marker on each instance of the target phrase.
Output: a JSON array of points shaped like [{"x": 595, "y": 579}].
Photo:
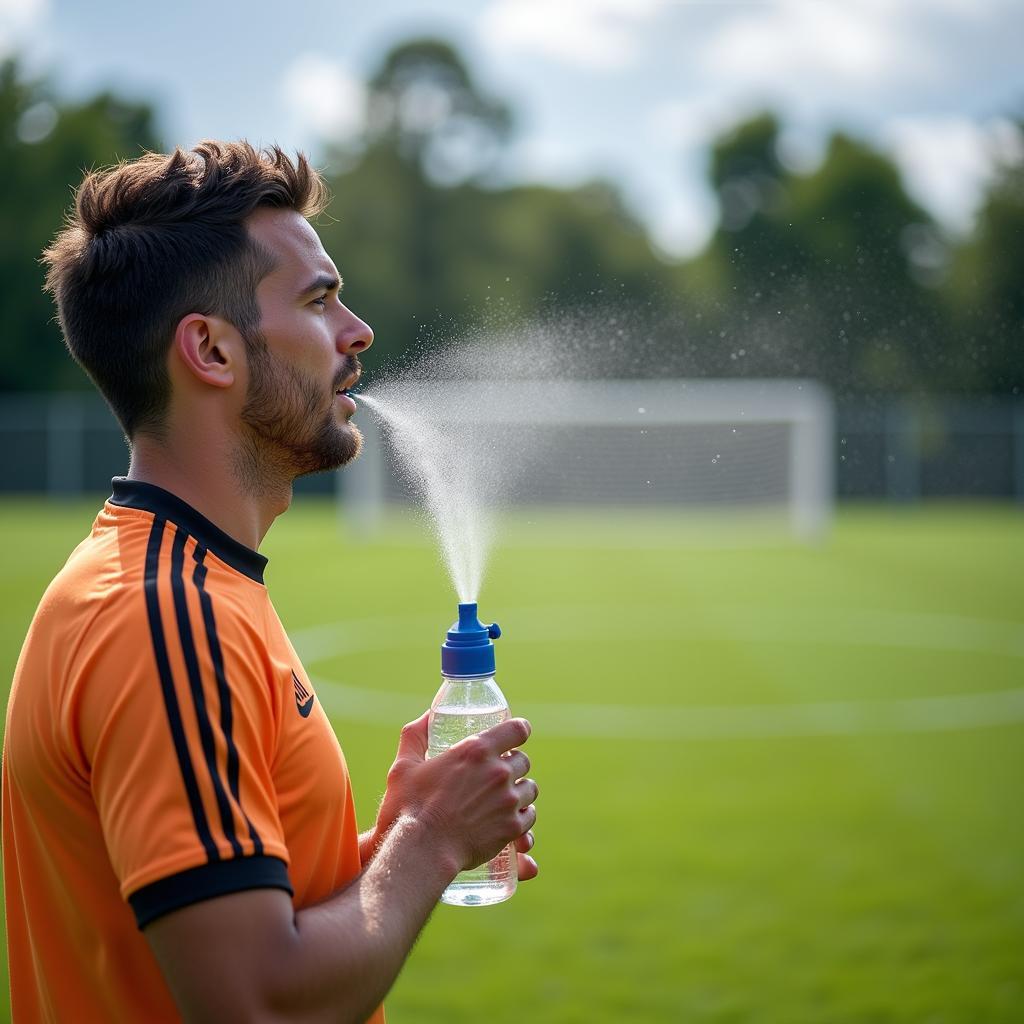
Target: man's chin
[{"x": 344, "y": 446}]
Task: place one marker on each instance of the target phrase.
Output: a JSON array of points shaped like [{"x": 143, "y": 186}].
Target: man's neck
[{"x": 216, "y": 482}]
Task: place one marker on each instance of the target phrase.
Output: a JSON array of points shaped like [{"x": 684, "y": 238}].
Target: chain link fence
[{"x": 64, "y": 444}]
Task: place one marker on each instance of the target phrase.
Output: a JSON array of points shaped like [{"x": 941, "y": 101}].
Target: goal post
[{"x": 703, "y": 446}]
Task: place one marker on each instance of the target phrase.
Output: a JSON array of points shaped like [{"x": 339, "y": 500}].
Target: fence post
[
  {"x": 902, "y": 458},
  {"x": 65, "y": 445},
  {"x": 1018, "y": 451},
  {"x": 812, "y": 465},
  {"x": 361, "y": 485}
]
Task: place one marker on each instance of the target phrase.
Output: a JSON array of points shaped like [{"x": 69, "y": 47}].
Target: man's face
[{"x": 307, "y": 352}]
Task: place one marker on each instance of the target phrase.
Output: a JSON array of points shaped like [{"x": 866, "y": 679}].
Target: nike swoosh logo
[{"x": 303, "y": 698}]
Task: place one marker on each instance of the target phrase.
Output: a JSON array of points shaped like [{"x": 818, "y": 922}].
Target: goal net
[{"x": 699, "y": 447}]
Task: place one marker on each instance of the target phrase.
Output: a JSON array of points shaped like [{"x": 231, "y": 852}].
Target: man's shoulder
[
  {"x": 95, "y": 573},
  {"x": 125, "y": 580}
]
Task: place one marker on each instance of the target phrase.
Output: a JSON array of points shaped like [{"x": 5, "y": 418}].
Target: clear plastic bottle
[
  {"x": 462, "y": 708},
  {"x": 468, "y": 702}
]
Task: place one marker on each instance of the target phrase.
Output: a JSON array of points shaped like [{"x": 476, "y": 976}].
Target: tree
[
  {"x": 985, "y": 295},
  {"x": 814, "y": 274},
  {"x": 425, "y": 105},
  {"x": 431, "y": 245},
  {"x": 45, "y": 147}
]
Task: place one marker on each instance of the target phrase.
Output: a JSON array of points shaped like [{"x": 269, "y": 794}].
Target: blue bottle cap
[{"x": 467, "y": 650}]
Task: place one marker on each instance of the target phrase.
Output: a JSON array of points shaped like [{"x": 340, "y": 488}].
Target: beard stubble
[{"x": 289, "y": 424}]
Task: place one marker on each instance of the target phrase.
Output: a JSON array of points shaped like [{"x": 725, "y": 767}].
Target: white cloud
[
  {"x": 948, "y": 161},
  {"x": 18, "y": 18},
  {"x": 549, "y": 158},
  {"x": 323, "y": 97},
  {"x": 596, "y": 34},
  {"x": 864, "y": 66},
  {"x": 684, "y": 221},
  {"x": 693, "y": 122},
  {"x": 796, "y": 45}
]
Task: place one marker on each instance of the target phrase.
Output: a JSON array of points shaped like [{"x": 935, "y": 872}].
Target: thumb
[{"x": 413, "y": 741}]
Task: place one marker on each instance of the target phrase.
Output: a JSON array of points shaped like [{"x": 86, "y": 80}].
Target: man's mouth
[{"x": 348, "y": 384}]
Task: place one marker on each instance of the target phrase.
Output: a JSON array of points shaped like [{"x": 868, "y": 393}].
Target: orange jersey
[{"x": 164, "y": 746}]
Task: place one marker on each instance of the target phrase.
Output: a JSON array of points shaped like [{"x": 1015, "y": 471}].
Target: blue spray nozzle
[{"x": 467, "y": 650}]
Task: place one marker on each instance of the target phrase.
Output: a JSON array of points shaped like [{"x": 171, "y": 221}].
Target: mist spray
[{"x": 454, "y": 488}]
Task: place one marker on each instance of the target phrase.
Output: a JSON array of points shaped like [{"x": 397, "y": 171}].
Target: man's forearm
[{"x": 350, "y": 948}]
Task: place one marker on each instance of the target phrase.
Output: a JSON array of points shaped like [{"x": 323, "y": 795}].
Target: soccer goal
[{"x": 716, "y": 448}]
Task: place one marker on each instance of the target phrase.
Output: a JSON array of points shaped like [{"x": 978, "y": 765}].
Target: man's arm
[{"x": 250, "y": 956}]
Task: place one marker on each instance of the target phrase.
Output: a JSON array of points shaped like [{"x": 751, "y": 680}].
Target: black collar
[{"x": 150, "y": 498}]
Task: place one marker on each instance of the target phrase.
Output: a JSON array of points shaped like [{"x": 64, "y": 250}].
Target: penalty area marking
[{"x": 699, "y": 722}]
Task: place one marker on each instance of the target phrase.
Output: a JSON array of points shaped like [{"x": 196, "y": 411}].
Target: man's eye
[{"x": 322, "y": 301}]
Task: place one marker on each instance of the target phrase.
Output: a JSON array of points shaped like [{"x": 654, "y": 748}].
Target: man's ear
[{"x": 209, "y": 348}]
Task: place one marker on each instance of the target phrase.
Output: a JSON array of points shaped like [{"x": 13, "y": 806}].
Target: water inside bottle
[{"x": 496, "y": 880}]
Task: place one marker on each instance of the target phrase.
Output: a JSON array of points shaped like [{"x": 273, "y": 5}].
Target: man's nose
[{"x": 355, "y": 335}]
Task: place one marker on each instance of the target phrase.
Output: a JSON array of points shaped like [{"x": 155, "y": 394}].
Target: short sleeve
[{"x": 175, "y": 724}]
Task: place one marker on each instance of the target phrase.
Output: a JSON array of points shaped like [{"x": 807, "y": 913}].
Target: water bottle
[{"x": 468, "y": 702}]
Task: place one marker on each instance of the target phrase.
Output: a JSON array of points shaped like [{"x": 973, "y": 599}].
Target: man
[{"x": 179, "y": 837}]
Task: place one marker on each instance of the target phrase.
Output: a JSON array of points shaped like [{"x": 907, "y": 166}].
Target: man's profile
[{"x": 179, "y": 835}]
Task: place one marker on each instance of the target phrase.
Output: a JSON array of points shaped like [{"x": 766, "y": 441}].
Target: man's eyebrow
[{"x": 323, "y": 282}]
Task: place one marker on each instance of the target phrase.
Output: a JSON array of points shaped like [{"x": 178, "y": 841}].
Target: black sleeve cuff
[{"x": 205, "y": 882}]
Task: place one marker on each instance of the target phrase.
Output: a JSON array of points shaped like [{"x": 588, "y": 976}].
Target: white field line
[{"x": 619, "y": 721}]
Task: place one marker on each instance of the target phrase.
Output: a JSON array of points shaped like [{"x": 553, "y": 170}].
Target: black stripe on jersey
[
  {"x": 205, "y": 882},
  {"x": 188, "y": 649},
  {"x": 226, "y": 717},
  {"x": 156, "y": 629}
]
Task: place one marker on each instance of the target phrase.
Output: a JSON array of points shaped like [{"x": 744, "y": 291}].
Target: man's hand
[{"x": 475, "y": 795}]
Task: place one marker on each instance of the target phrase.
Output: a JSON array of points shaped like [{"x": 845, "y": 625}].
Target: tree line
[{"x": 835, "y": 274}]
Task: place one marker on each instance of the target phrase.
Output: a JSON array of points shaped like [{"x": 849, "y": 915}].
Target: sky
[{"x": 627, "y": 90}]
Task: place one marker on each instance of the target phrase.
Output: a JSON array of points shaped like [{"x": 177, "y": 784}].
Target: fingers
[
  {"x": 505, "y": 735},
  {"x": 524, "y": 844},
  {"x": 413, "y": 741},
  {"x": 527, "y": 791},
  {"x": 517, "y": 763},
  {"x": 526, "y": 866},
  {"x": 527, "y": 818}
]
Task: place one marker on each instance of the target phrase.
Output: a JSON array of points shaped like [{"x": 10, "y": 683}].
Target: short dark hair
[{"x": 153, "y": 239}]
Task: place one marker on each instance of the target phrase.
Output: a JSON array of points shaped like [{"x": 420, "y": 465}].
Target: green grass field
[{"x": 778, "y": 783}]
